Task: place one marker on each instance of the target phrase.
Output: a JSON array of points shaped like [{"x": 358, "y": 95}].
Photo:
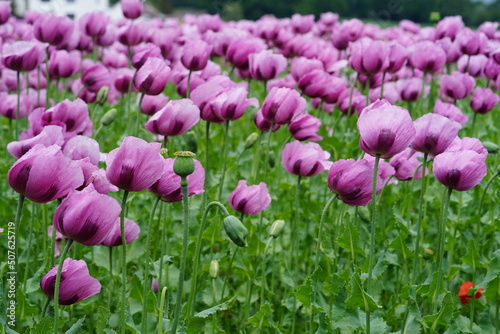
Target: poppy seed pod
[
  {"x": 184, "y": 163},
  {"x": 236, "y": 231},
  {"x": 214, "y": 269},
  {"x": 76, "y": 282}
]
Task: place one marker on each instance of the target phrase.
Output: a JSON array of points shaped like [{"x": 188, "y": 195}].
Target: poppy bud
[
  {"x": 184, "y": 164},
  {"x": 364, "y": 214},
  {"x": 214, "y": 269},
  {"x": 277, "y": 228},
  {"x": 492, "y": 148},
  {"x": 236, "y": 231},
  {"x": 108, "y": 117},
  {"x": 251, "y": 140},
  {"x": 191, "y": 141},
  {"x": 102, "y": 95}
]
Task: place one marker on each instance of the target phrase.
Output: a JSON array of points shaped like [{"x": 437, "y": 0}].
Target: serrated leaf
[
  {"x": 76, "y": 327},
  {"x": 263, "y": 317},
  {"x": 349, "y": 240},
  {"x": 101, "y": 319},
  {"x": 378, "y": 326},
  {"x": 443, "y": 316},
  {"x": 33, "y": 283},
  {"x": 492, "y": 275},
  {"x": 412, "y": 321},
  {"x": 195, "y": 325},
  {"x": 44, "y": 326},
  {"x": 463, "y": 324},
  {"x": 324, "y": 327},
  {"x": 213, "y": 309},
  {"x": 472, "y": 257},
  {"x": 304, "y": 293},
  {"x": 358, "y": 297},
  {"x": 399, "y": 244}
]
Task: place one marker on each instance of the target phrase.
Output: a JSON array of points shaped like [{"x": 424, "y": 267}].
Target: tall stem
[
  {"x": 372, "y": 237},
  {"x": 262, "y": 271},
  {"x": 266, "y": 160},
  {"x": 224, "y": 160},
  {"x": 481, "y": 202},
  {"x": 316, "y": 260},
  {"x": 197, "y": 252},
  {"x": 58, "y": 283},
  {"x": 256, "y": 161},
  {"x": 228, "y": 273},
  {"x": 161, "y": 310},
  {"x": 382, "y": 86},
  {"x": 440, "y": 255},
  {"x": 124, "y": 263},
  {"x": 207, "y": 155},
  {"x": 30, "y": 236},
  {"x": 147, "y": 263},
  {"x": 416, "y": 260},
  {"x": 47, "y": 77},
  {"x": 17, "y": 221},
  {"x": 188, "y": 85},
  {"x": 368, "y": 90},
  {"x": 185, "y": 209},
  {"x": 138, "y": 115},
  {"x": 18, "y": 107}
]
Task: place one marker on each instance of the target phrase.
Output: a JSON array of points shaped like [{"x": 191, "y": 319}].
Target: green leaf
[
  {"x": 44, "y": 326},
  {"x": 349, "y": 240},
  {"x": 213, "y": 309},
  {"x": 33, "y": 283},
  {"x": 399, "y": 244},
  {"x": 101, "y": 319},
  {"x": 378, "y": 326},
  {"x": 324, "y": 327},
  {"x": 358, "y": 297},
  {"x": 76, "y": 327},
  {"x": 412, "y": 321},
  {"x": 263, "y": 317},
  {"x": 472, "y": 257},
  {"x": 443, "y": 316}
]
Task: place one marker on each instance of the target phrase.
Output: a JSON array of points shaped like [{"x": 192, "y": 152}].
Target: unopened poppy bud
[
  {"x": 428, "y": 252},
  {"x": 251, "y": 140},
  {"x": 364, "y": 214},
  {"x": 191, "y": 141},
  {"x": 214, "y": 269},
  {"x": 492, "y": 148},
  {"x": 435, "y": 17},
  {"x": 277, "y": 228},
  {"x": 108, "y": 117},
  {"x": 236, "y": 231},
  {"x": 102, "y": 95},
  {"x": 184, "y": 164}
]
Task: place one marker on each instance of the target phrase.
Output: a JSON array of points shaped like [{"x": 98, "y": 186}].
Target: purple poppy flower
[
  {"x": 132, "y": 33},
  {"x": 5, "y": 11},
  {"x": 385, "y": 129},
  {"x": 368, "y": 56},
  {"x": 144, "y": 51},
  {"x": 64, "y": 64},
  {"x": 22, "y": 56},
  {"x": 471, "y": 43},
  {"x": 81, "y": 147},
  {"x": 434, "y": 134},
  {"x": 305, "y": 127},
  {"x": 114, "y": 237},
  {"x": 76, "y": 282},
  {"x": 239, "y": 50},
  {"x": 132, "y": 9},
  {"x": 405, "y": 164},
  {"x": 8, "y": 107},
  {"x": 168, "y": 187},
  {"x": 451, "y": 111},
  {"x": 151, "y": 104},
  {"x": 315, "y": 83},
  {"x": 52, "y": 29},
  {"x": 457, "y": 85},
  {"x": 250, "y": 200},
  {"x": 50, "y": 135},
  {"x": 86, "y": 216},
  {"x": 152, "y": 77},
  {"x": 352, "y": 181},
  {"x": 263, "y": 124},
  {"x": 231, "y": 103},
  {"x": 195, "y": 55},
  {"x": 449, "y": 27},
  {"x": 44, "y": 174},
  {"x": 177, "y": 117},
  {"x": 427, "y": 57},
  {"x": 135, "y": 165},
  {"x": 460, "y": 170},
  {"x": 305, "y": 159},
  {"x": 467, "y": 143},
  {"x": 94, "y": 24},
  {"x": 266, "y": 65},
  {"x": 483, "y": 100},
  {"x": 282, "y": 104}
]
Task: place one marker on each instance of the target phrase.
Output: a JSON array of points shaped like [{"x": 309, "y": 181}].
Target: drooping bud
[
  {"x": 492, "y": 148},
  {"x": 364, "y": 214},
  {"x": 236, "y": 231},
  {"x": 102, "y": 95},
  {"x": 184, "y": 164},
  {"x": 251, "y": 140},
  {"x": 277, "y": 228},
  {"x": 191, "y": 141},
  {"x": 214, "y": 269},
  {"x": 108, "y": 117}
]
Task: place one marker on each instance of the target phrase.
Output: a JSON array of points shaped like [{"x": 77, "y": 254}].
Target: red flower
[{"x": 463, "y": 293}]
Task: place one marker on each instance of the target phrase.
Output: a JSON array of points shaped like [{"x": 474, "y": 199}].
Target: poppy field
[{"x": 285, "y": 175}]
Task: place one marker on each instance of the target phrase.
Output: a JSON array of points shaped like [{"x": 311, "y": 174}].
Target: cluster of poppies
[{"x": 334, "y": 66}]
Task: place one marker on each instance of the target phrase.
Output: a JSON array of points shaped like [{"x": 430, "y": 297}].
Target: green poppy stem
[
  {"x": 58, "y": 283},
  {"x": 224, "y": 160},
  {"x": 416, "y": 260},
  {"x": 124, "y": 263}
]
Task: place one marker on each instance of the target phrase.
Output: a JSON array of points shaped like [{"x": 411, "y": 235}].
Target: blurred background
[{"x": 383, "y": 12}]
